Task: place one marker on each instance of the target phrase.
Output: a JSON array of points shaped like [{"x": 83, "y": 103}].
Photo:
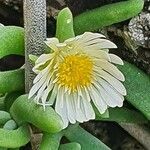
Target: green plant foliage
[
  {"x": 137, "y": 84},
  {"x": 123, "y": 115},
  {"x": 50, "y": 141},
  {"x": 4, "y": 117},
  {"x": 26, "y": 110},
  {"x": 11, "y": 40},
  {"x": 70, "y": 146},
  {"x": 106, "y": 15},
  {"x": 87, "y": 141},
  {"x": 10, "y": 125},
  {"x": 10, "y": 98},
  {"x": 64, "y": 29},
  {"x": 2, "y": 107},
  {"x": 11, "y": 81},
  {"x": 14, "y": 138}
]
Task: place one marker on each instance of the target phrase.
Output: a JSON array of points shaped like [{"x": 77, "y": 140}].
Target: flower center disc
[{"x": 74, "y": 71}]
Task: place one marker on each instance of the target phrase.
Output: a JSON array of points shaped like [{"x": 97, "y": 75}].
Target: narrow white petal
[
  {"x": 102, "y": 44},
  {"x": 88, "y": 109},
  {"x": 113, "y": 81},
  {"x": 106, "y": 97},
  {"x": 62, "y": 111},
  {"x": 98, "y": 54},
  {"x": 80, "y": 40},
  {"x": 110, "y": 89},
  {"x": 41, "y": 75},
  {"x": 61, "y": 45},
  {"x": 46, "y": 93},
  {"x": 85, "y": 94},
  {"x": 51, "y": 42},
  {"x": 112, "y": 69},
  {"x": 36, "y": 86},
  {"x": 70, "y": 109},
  {"x": 41, "y": 90},
  {"x": 115, "y": 59},
  {"x": 88, "y": 36},
  {"x": 53, "y": 95},
  {"x": 80, "y": 116},
  {"x": 81, "y": 109},
  {"x": 44, "y": 58},
  {"x": 68, "y": 41},
  {"x": 98, "y": 100},
  {"x": 116, "y": 98}
]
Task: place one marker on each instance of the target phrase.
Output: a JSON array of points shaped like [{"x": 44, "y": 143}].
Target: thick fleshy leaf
[
  {"x": 14, "y": 138},
  {"x": 11, "y": 40},
  {"x": 137, "y": 84},
  {"x": 50, "y": 141},
  {"x": 26, "y": 110},
  {"x": 70, "y": 146},
  {"x": 12, "y": 80},
  {"x": 87, "y": 141},
  {"x": 4, "y": 117},
  {"x": 106, "y": 15},
  {"x": 64, "y": 29},
  {"x": 123, "y": 115}
]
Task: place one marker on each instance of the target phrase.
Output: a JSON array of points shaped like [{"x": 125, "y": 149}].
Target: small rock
[{"x": 139, "y": 27}]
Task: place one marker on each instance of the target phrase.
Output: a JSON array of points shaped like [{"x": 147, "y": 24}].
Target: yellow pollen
[{"x": 74, "y": 71}]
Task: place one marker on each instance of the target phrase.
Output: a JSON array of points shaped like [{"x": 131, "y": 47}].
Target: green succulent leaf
[
  {"x": 50, "y": 141},
  {"x": 70, "y": 146},
  {"x": 4, "y": 117},
  {"x": 87, "y": 141},
  {"x": 10, "y": 98},
  {"x": 137, "y": 84},
  {"x": 10, "y": 125},
  {"x": 107, "y": 15},
  {"x": 11, "y": 81},
  {"x": 26, "y": 110},
  {"x": 11, "y": 40},
  {"x": 64, "y": 29},
  {"x": 123, "y": 115},
  {"x": 14, "y": 138}
]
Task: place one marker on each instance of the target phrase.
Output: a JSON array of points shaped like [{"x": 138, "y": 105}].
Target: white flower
[{"x": 75, "y": 74}]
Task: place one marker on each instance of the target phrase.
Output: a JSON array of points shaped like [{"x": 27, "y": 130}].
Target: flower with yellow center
[{"x": 75, "y": 74}]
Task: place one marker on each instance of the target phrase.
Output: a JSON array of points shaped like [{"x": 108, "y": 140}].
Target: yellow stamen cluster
[{"x": 74, "y": 71}]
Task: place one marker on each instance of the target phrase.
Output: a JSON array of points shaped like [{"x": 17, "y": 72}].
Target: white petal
[
  {"x": 51, "y": 42},
  {"x": 102, "y": 44},
  {"x": 61, "y": 45},
  {"x": 62, "y": 111},
  {"x": 85, "y": 94},
  {"x": 116, "y": 98},
  {"x": 44, "y": 58},
  {"x": 113, "y": 81},
  {"x": 106, "y": 96},
  {"x": 80, "y": 42},
  {"x": 99, "y": 54},
  {"x": 46, "y": 93},
  {"x": 80, "y": 116},
  {"x": 111, "y": 69},
  {"x": 115, "y": 59},
  {"x": 87, "y": 109},
  {"x": 53, "y": 95},
  {"x": 41, "y": 90},
  {"x": 88, "y": 36},
  {"x": 98, "y": 100},
  {"x": 37, "y": 86},
  {"x": 81, "y": 109},
  {"x": 70, "y": 108},
  {"x": 43, "y": 73}
]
